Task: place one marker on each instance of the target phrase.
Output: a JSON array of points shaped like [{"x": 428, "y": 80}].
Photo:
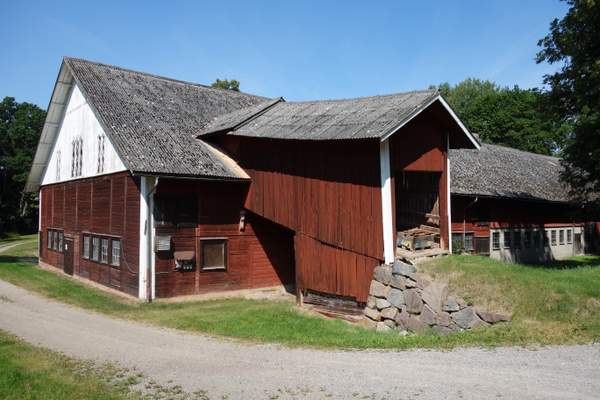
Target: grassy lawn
[
  {"x": 551, "y": 305},
  {"x": 28, "y": 372}
]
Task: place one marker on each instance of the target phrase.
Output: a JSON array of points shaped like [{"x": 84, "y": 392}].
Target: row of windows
[
  {"x": 102, "y": 249},
  {"x": 55, "y": 239},
  {"x": 531, "y": 239}
]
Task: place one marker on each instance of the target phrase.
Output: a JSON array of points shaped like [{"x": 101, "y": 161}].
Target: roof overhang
[
  {"x": 56, "y": 108},
  {"x": 436, "y": 99}
]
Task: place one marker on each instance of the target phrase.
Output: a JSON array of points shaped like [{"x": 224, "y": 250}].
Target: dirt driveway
[{"x": 227, "y": 369}]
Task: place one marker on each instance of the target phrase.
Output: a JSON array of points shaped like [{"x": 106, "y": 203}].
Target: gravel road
[{"x": 228, "y": 369}]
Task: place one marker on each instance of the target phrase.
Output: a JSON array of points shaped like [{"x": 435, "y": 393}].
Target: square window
[
  {"x": 569, "y": 236},
  {"x": 553, "y": 237},
  {"x": 115, "y": 258},
  {"x": 104, "y": 251},
  {"x": 561, "y": 236},
  {"x": 86, "y": 247},
  {"x": 496, "y": 240},
  {"x": 213, "y": 254},
  {"x": 507, "y": 237},
  {"x": 95, "y": 248}
]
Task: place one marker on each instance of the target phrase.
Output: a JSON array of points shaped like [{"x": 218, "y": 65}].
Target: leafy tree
[
  {"x": 227, "y": 84},
  {"x": 20, "y": 127},
  {"x": 574, "y": 92},
  {"x": 512, "y": 117}
]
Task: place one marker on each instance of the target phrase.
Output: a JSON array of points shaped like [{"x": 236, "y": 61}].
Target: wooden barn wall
[
  {"x": 105, "y": 205},
  {"x": 261, "y": 255},
  {"x": 421, "y": 147},
  {"x": 329, "y": 194},
  {"x": 488, "y": 213},
  {"x": 326, "y": 190}
]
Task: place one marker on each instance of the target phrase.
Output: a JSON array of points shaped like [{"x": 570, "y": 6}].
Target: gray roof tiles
[
  {"x": 498, "y": 171},
  {"x": 152, "y": 121}
]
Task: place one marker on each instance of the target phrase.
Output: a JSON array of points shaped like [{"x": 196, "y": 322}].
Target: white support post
[
  {"x": 448, "y": 190},
  {"x": 40, "y": 233},
  {"x": 143, "y": 244},
  {"x": 386, "y": 202}
]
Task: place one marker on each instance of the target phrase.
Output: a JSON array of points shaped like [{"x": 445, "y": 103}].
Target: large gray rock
[
  {"x": 371, "y": 302},
  {"x": 383, "y": 274},
  {"x": 372, "y": 313},
  {"x": 413, "y": 324},
  {"x": 441, "y": 330},
  {"x": 382, "y": 303},
  {"x": 443, "y": 319},
  {"x": 492, "y": 318},
  {"x": 434, "y": 295},
  {"x": 421, "y": 280},
  {"x": 396, "y": 298},
  {"x": 367, "y": 323},
  {"x": 398, "y": 281},
  {"x": 378, "y": 289},
  {"x": 450, "y": 305},
  {"x": 410, "y": 283},
  {"x": 382, "y": 327},
  {"x": 413, "y": 301},
  {"x": 389, "y": 313},
  {"x": 428, "y": 316},
  {"x": 400, "y": 268},
  {"x": 466, "y": 318}
]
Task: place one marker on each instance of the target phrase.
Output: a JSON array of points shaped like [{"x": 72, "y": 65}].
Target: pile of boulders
[{"x": 400, "y": 298}]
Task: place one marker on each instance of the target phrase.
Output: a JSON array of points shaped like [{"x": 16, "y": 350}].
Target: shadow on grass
[
  {"x": 15, "y": 259},
  {"x": 575, "y": 262}
]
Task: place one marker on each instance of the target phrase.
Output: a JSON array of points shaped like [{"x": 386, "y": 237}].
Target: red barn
[{"x": 158, "y": 187}]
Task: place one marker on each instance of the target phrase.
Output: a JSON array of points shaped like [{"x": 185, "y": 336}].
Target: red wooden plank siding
[{"x": 89, "y": 205}]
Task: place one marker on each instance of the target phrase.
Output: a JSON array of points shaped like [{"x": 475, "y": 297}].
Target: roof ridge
[
  {"x": 432, "y": 91},
  {"x": 166, "y": 78}
]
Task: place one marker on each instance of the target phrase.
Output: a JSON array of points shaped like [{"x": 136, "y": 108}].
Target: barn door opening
[
  {"x": 68, "y": 252},
  {"x": 418, "y": 209}
]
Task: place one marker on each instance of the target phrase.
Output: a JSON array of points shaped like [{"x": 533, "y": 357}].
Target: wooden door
[
  {"x": 577, "y": 243},
  {"x": 68, "y": 252}
]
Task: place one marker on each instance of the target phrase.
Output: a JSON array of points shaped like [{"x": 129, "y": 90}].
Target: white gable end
[{"x": 81, "y": 148}]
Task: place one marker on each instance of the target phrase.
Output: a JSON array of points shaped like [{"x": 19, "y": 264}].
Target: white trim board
[{"x": 386, "y": 202}]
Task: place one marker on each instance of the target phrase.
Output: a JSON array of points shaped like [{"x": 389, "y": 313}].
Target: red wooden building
[{"x": 159, "y": 188}]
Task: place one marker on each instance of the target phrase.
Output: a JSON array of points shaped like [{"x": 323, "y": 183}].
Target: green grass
[
  {"x": 28, "y": 372},
  {"x": 551, "y": 305}
]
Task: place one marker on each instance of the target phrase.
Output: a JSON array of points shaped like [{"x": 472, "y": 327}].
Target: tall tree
[
  {"x": 227, "y": 84},
  {"x": 20, "y": 127},
  {"x": 574, "y": 92},
  {"x": 508, "y": 116}
]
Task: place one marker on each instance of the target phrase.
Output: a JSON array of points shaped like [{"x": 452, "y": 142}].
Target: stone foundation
[{"x": 402, "y": 299}]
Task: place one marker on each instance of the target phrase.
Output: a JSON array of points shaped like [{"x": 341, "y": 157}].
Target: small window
[
  {"x": 517, "y": 239},
  {"x": 537, "y": 235},
  {"x": 95, "y": 248},
  {"x": 553, "y": 237},
  {"x": 507, "y": 237},
  {"x": 561, "y": 236},
  {"x": 569, "y": 236},
  {"x": 469, "y": 242},
  {"x": 104, "y": 251},
  {"x": 175, "y": 210},
  {"x": 213, "y": 254},
  {"x": 496, "y": 240},
  {"x": 86, "y": 247},
  {"x": 60, "y": 241},
  {"x": 49, "y": 244},
  {"x": 527, "y": 239},
  {"x": 115, "y": 258},
  {"x": 76, "y": 157}
]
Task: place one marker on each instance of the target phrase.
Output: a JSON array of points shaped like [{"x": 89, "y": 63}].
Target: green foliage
[
  {"x": 551, "y": 306},
  {"x": 574, "y": 93},
  {"x": 227, "y": 84},
  {"x": 511, "y": 117},
  {"x": 20, "y": 127}
]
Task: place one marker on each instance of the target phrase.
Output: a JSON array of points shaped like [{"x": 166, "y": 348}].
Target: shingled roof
[
  {"x": 497, "y": 171},
  {"x": 360, "y": 118}
]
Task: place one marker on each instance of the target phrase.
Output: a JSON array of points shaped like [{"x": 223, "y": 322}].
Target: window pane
[
  {"x": 496, "y": 240},
  {"x": 86, "y": 247},
  {"x": 116, "y": 252},
  {"x": 104, "y": 251},
  {"x": 469, "y": 241},
  {"x": 60, "y": 241},
  {"x": 49, "y": 239},
  {"x": 213, "y": 254},
  {"x": 561, "y": 236},
  {"x": 553, "y": 237},
  {"x": 95, "y": 248},
  {"x": 569, "y": 236}
]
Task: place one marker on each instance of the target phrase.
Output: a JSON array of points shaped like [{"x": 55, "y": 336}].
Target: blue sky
[{"x": 296, "y": 49}]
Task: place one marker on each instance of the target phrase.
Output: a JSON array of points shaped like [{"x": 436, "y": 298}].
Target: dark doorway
[
  {"x": 68, "y": 252},
  {"x": 417, "y": 199},
  {"x": 577, "y": 243}
]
